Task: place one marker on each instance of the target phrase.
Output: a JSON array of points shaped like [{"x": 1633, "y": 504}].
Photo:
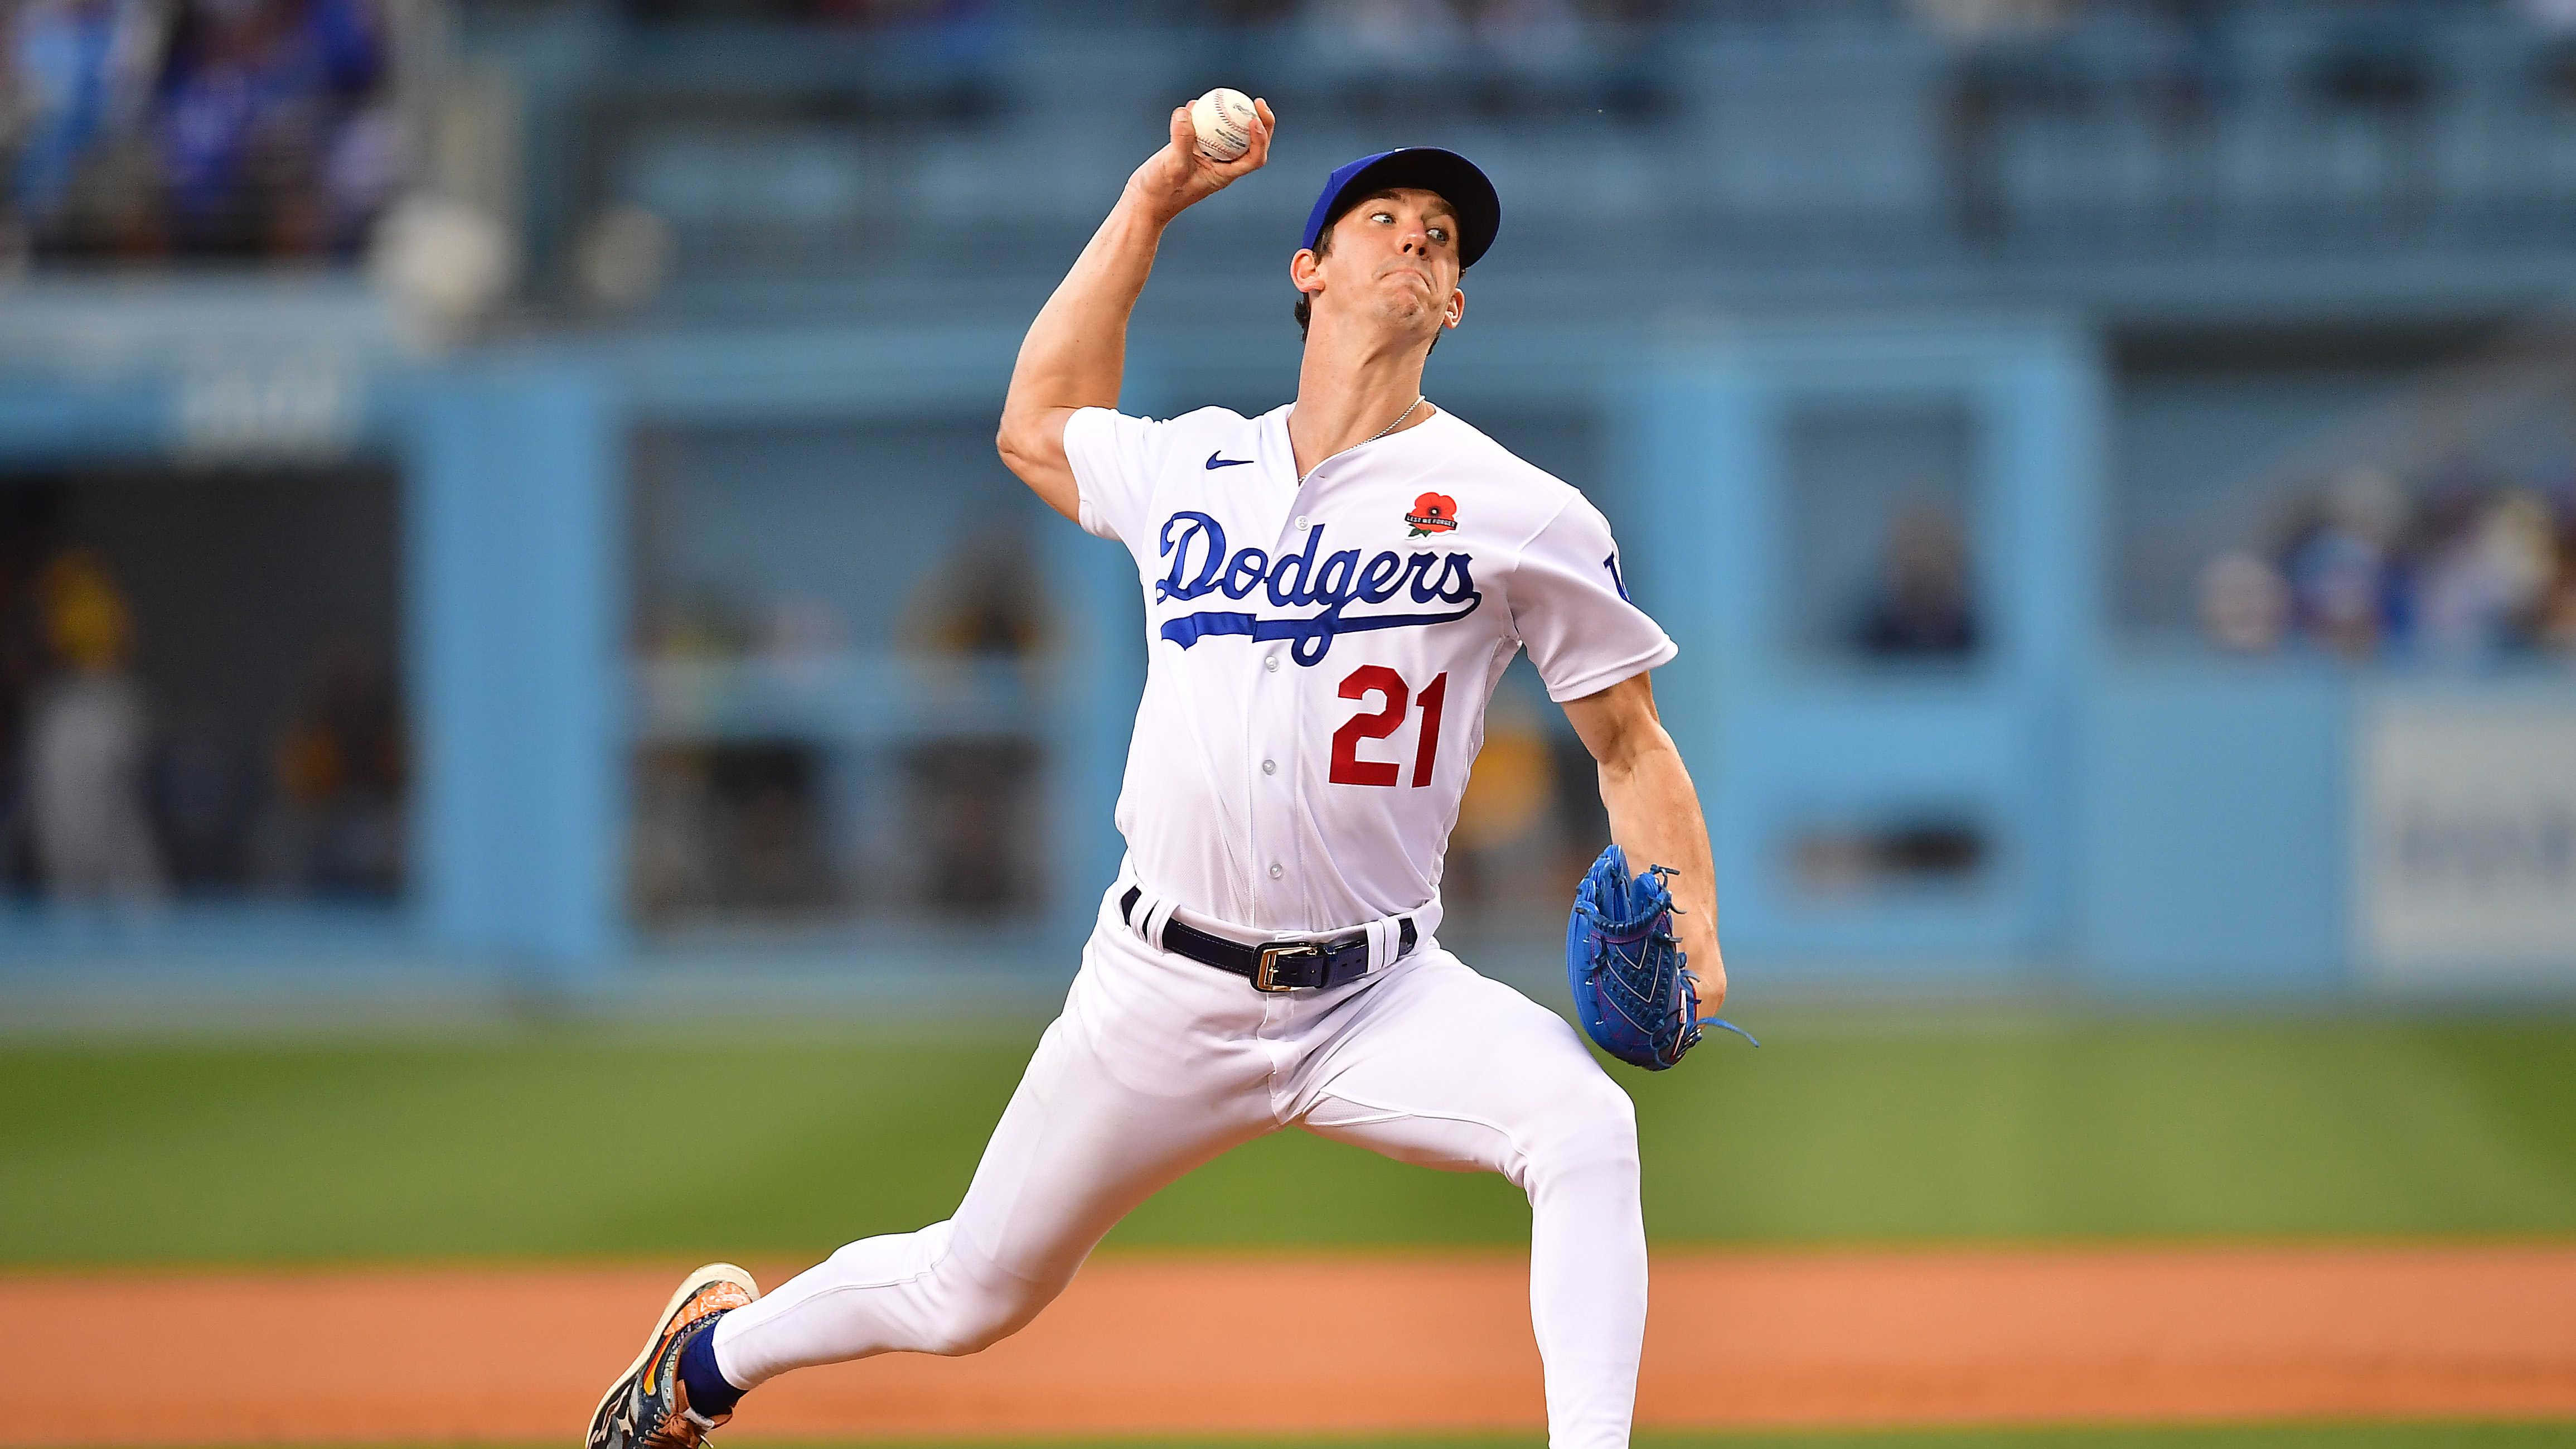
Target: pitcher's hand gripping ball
[
  {"x": 1223, "y": 120},
  {"x": 1633, "y": 990}
]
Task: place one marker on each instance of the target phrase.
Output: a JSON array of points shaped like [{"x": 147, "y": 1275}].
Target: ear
[
  {"x": 1305, "y": 271},
  {"x": 1457, "y": 308}
]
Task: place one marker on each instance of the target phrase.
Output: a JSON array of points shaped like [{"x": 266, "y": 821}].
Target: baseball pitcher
[{"x": 1332, "y": 590}]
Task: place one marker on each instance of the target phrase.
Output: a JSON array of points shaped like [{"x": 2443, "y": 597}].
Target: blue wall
[
  {"x": 515, "y": 493},
  {"x": 2154, "y": 824},
  {"x": 512, "y": 484},
  {"x": 1787, "y": 739},
  {"x": 2214, "y": 821}
]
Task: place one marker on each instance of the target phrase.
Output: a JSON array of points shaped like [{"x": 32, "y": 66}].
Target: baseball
[{"x": 1223, "y": 119}]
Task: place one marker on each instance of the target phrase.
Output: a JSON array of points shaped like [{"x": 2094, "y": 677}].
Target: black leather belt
[{"x": 1278, "y": 965}]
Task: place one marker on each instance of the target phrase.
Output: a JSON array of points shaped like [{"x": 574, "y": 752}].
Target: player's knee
[
  {"x": 978, "y": 1320},
  {"x": 979, "y": 1303},
  {"x": 954, "y": 1300},
  {"x": 1590, "y": 1128},
  {"x": 964, "y": 1336}
]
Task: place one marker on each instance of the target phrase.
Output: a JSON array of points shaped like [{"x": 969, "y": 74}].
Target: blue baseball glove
[{"x": 1633, "y": 990}]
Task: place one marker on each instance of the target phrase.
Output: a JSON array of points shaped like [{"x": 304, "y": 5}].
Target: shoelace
[{"x": 686, "y": 1430}]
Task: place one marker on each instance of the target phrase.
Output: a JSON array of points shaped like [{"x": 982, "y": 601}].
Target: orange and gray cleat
[{"x": 648, "y": 1406}]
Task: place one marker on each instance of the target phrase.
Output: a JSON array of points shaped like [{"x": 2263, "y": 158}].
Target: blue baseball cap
[{"x": 1480, "y": 211}]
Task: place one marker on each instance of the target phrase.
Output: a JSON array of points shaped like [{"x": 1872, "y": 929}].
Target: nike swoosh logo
[{"x": 1214, "y": 462}]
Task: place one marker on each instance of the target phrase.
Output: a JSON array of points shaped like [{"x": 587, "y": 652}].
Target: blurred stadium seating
[{"x": 502, "y": 491}]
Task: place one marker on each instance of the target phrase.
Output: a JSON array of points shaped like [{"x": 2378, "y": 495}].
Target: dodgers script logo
[{"x": 1195, "y": 543}]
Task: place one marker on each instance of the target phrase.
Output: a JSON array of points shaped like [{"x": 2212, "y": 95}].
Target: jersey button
[
  {"x": 1270, "y": 767},
  {"x": 1277, "y": 870},
  {"x": 1271, "y": 663}
]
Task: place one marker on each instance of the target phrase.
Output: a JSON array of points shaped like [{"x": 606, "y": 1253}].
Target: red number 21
[{"x": 1368, "y": 679}]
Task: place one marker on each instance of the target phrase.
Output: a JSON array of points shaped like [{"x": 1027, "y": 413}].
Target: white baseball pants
[{"x": 1159, "y": 1063}]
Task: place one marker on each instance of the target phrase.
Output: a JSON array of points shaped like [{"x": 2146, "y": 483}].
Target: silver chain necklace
[
  {"x": 1418, "y": 400},
  {"x": 1391, "y": 427}
]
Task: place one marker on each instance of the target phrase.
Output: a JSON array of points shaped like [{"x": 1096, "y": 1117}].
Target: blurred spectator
[
  {"x": 736, "y": 827},
  {"x": 1531, "y": 818},
  {"x": 224, "y": 127},
  {"x": 771, "y": 845},
  {"x": 87, "y": 737},
  {"x": 675, "y": 819},
  {"x": 1388, "y": 58},
  {"x": 82, "y": 71},
  {"x": 934, "y": 15},
  {"x": 1922, "y": 608},
  {"x": 141, "y": 764},
  {"x": 927, "y": 64},
  {"x": 1536, "y": 55},
  {"x": 973, "y": 811},
  {"x": 2005, "y": 64},
  {"x": 336, "y": 826},
  {"x": 1394, "y": 36},
  {"x": 984, "y": 600},
  {"x": 2554, "y": 70},
  {"x": 1502, "y": 59},
  {"x": 1506, "y": 850},
  {"x": 27, "y": 529},
  {"x": 2188, "y": 82},
  {"x": 1980, "y": 19},
  {"x": 940, "y": 813},
  {"x": 2482, "y": 584},
  {"x": 972, "y": 800},
  {"x": 2557, "y": 612},
  {"x": 2463, "y": 567},
  {"x": 2379, "y": 67},
  {"x": 265, "y": 132},
  {"x": 2244, "y": 603},
  {"x": 2338, "y": 563},
  {"x": 205, "y": 797},
  {"x": 701, "y": 624},
  {"x": 804, "y": 631}
]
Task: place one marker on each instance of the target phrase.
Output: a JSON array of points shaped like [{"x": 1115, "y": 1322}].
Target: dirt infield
[{"x": 1287, "y": 1344}]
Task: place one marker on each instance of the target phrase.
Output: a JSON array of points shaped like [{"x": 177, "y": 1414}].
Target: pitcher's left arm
[{"x": 1655, "y": 815}]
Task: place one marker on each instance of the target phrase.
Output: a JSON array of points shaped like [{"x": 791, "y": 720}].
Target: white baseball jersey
[
  {"x": 1321, "y": 660},
  {"x": 1322, "y": 655}
]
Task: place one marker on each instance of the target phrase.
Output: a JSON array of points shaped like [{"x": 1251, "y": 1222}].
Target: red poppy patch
[{"x": 1433, "y": 513}]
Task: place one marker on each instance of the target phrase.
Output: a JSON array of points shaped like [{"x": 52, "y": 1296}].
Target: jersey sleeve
[
  {"x": 1571, "y": 609},
  {"x": 1115, "y": 459}
]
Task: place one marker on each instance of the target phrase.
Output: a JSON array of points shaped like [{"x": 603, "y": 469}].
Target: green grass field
[{"x": 561, "y": 1142}]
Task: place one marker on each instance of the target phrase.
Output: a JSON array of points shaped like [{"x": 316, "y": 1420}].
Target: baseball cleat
[{"x": 648, "y": 1407}]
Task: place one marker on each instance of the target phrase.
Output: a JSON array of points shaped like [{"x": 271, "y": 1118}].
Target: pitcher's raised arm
[{"x": 1076, "y": 350}]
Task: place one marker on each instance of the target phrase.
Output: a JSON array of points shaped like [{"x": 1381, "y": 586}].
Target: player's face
[{"x": 1394, "y": 257}]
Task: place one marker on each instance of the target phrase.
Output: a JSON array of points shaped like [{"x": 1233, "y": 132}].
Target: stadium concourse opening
[{"x": 200, "y": 685}]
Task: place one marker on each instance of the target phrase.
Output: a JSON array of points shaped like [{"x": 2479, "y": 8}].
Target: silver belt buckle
[{"x": 1264, "y": 971}]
